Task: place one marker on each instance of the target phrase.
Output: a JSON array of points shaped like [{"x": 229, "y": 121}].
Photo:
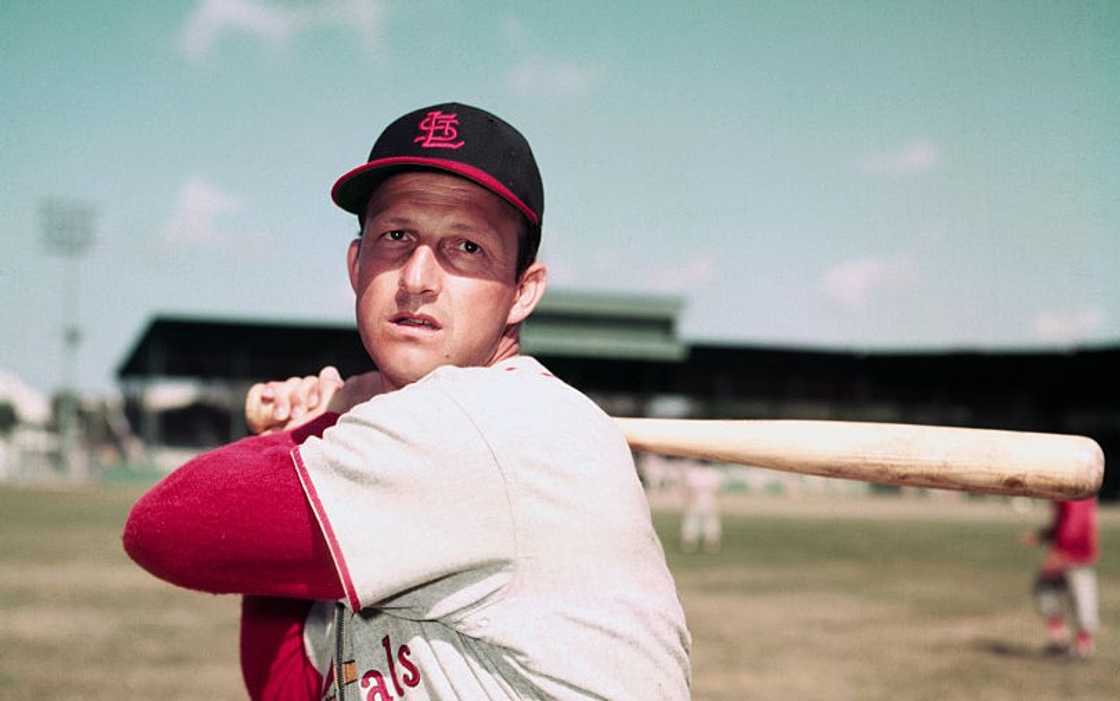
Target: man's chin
[{"x": 401, "y": 371}]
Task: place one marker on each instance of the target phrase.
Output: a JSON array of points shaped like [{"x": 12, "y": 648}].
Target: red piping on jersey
[
  {"x": 467, "y": 171},
  {"x": 328, "y": 532}
]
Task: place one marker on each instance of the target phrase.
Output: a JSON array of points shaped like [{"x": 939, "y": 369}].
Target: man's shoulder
[
  {"x": 518, "y": 390},
  {"x": 518, "y": 394},
  {"x": 518, "y": 376},
  {"x": 518, "y": 366}
]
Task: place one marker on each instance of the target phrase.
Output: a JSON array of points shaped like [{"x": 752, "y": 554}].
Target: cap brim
[{"x": 352, "y": 190}]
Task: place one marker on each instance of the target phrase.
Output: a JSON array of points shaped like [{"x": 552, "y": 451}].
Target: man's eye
[
  {"x": 394, "y": 235},
  {"x": 469, "y": 247}
]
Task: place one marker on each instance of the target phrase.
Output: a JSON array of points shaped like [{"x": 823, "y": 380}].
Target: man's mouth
[{"x": 422, "y": 321}]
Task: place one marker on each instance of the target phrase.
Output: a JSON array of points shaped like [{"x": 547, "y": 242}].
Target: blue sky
[{"x": 843, "y": 174}]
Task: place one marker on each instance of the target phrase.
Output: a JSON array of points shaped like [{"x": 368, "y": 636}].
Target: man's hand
[
  {"x": 288, "y": 404},
  {"x": 284, "y": 405}
]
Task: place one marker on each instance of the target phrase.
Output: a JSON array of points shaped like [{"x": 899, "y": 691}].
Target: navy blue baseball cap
[{"x": 453, "y": 138}]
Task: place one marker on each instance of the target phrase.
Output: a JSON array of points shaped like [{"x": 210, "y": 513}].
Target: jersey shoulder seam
[{"x": 500, "y": 595}]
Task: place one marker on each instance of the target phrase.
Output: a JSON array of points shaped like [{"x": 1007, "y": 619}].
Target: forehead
[{"x": 421, "y": 192}]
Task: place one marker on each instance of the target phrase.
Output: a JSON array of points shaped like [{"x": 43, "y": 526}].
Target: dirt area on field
[{"x": 824, "y": 598}]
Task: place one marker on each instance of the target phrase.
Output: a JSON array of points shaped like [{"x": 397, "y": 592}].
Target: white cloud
[
  {"x": 273, "y": 24},
  {"x": 537, "y": 76},
  {"x": 916, "y": 157},
  {"x": 211, "y": 18},
  {"x": 363, "y": 16},
  {"x": 197, "y": 208},
  {"x": 853, "y": 283},
  {"x": 1069, "y": 325}
]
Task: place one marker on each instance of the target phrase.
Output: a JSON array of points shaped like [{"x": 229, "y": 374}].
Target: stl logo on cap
[{"x": 438, "y": 130}]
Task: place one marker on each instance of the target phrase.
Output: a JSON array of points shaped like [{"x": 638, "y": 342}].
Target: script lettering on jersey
[
  {"x": 376, "y": 682},
  {"x": 438, "y": 130}
]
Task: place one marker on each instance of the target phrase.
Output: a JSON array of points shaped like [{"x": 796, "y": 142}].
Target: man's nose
[{"x": 421, "y": 272}]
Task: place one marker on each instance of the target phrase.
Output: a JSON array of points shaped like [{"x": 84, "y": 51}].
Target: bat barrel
[{"x": 1043, "y": 465}]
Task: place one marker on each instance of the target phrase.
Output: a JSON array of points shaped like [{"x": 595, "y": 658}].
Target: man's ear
[
  {"x": 352, "y": 255},
  {"x": 530, "y": 289}
]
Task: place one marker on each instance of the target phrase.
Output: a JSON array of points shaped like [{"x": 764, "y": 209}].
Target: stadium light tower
[{"x": 67, "y": 229}]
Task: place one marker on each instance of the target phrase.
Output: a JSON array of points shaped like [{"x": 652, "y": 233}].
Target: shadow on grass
[{"x": 1002, "y": 648}]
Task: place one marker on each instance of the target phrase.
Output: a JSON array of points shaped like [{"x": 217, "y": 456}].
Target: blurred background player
[
  {"x": 700, "y": 526},
  {"x": 1067, "y": 582}
]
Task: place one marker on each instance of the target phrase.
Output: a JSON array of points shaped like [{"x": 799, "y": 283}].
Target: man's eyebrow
[
  {"x": 397, "y": 221},
  {"x": 469, "y": 228},
  {"x": 392, "y": 221}
]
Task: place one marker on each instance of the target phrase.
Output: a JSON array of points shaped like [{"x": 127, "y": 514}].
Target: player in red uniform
[{"x": 1067, "y": 581}]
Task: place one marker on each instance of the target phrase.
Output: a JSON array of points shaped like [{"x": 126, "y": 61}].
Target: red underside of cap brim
[{"x": 351, "y": 191}]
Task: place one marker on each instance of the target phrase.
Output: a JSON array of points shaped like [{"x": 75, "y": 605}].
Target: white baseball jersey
[{"x": 494, "y": 542}]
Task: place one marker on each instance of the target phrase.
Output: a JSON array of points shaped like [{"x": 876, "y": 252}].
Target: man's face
[{"x": 434, "y": 276}]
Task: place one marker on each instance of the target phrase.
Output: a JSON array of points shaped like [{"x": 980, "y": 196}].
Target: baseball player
[
  {"x": 1067, "y": 581},
  {"x": 458, "y": 525},
  {"x": 700, "y": 522}
]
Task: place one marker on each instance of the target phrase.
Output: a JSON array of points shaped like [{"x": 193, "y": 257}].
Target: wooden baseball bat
[{"x": 1044, "y": 465}]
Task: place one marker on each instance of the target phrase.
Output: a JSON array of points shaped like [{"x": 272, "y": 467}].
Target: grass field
[{"x": 810, "y": 599}]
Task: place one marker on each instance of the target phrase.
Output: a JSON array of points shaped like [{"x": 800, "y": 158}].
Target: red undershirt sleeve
[
  {"x": 273, "y": 661},
  {"x": 235, "y": 520}
]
